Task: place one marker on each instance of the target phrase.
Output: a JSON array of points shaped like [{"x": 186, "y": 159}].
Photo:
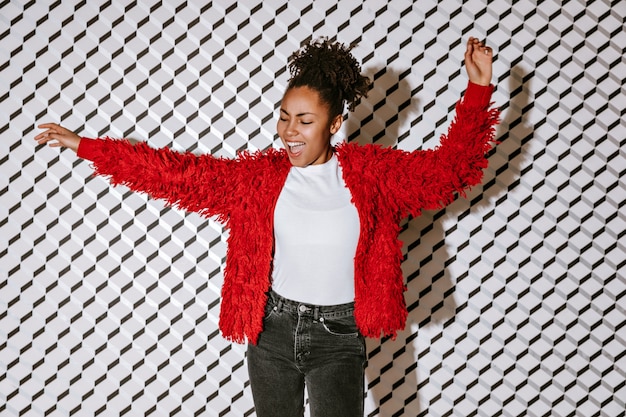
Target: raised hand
[
  {"x": 57, "y": 136},
  {"x": 478, "y": 62}
]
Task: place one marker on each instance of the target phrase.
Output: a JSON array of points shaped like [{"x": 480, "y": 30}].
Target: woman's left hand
[{"x": 478, "y": 62}]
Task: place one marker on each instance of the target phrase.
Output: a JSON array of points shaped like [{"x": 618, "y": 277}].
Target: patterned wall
[{"x": 109, "y": 300}]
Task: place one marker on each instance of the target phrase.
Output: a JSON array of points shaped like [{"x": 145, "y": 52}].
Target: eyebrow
[{"x": 299, "y": 114}]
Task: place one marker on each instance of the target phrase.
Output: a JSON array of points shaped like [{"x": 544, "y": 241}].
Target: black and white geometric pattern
[{"x": 109, "y": 300}]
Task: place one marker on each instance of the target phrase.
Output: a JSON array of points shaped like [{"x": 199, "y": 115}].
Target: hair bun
[{"x": 326, "y": 65}]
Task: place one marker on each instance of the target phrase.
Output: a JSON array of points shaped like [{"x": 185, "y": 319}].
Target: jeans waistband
[{"x": 281, "y": 303}]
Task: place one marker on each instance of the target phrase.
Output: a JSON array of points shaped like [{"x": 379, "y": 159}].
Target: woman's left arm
[{"x": 433, "y": 177}]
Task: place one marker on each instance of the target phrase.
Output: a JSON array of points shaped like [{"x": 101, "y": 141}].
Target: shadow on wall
[{"x": 392, "y": 378}]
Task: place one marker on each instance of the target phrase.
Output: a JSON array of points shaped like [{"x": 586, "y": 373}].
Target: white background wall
[{"x": 109, "y": 300}]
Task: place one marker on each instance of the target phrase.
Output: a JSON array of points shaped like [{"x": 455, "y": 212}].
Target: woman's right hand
[{"x": 57, "y": 136}]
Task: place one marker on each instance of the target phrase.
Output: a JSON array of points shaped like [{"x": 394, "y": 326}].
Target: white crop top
[{"x": 316, "y": 230}]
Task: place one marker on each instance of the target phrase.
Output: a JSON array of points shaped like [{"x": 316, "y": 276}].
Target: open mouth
[{"x": 295, "y": 147}]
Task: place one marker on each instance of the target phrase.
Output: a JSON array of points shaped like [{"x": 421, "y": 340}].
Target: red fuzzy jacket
[{"x": 386, "y": 186}]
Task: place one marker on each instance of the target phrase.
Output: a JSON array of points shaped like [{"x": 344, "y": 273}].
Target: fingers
[
  {"x": 57, "y": 136},
  {"x": 45, "y": 138},
  {"x": 50, "y": 128},
  {"x": 47, "y": 135},
  {"x": 475, "y": 45},
  {"x": 53, "y": 128},
  {"x": 478, "y": 61}
]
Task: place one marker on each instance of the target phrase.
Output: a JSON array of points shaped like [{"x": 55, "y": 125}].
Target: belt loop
[
  {"x": 316, "y": 312},
  {"x": 276, "y": 300}
]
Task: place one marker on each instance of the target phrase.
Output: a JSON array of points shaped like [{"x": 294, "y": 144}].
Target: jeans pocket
[
  {"x": 340, "y": 326},
  {"x": 270, "y": 311}
]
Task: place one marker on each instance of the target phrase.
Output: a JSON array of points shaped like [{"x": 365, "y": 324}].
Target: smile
[{"x": 295, "y": 146}]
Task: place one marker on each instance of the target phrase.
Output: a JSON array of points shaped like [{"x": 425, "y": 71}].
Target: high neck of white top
[{"x": 320, "y": 169}]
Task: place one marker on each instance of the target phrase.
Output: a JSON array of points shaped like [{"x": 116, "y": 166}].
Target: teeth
[{"x": 294, "y": 144}]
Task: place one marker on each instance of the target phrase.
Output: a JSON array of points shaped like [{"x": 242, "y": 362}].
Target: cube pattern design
[{"x": 109, "y": 300}]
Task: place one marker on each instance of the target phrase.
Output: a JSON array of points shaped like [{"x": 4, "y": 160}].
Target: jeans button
[{"x": 302, "y": 308}]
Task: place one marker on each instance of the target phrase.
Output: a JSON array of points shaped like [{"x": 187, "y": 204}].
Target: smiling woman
[
  {"x": 324, "y": 77},
  {"x": 313, "y": 264},
  {"x": 305, "y": 127}
]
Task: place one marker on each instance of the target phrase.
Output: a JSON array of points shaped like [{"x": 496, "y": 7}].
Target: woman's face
[{"x": 305, "y": 127}]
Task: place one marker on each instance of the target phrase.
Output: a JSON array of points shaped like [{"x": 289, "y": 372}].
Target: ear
[{"x": 335, "y": 124}]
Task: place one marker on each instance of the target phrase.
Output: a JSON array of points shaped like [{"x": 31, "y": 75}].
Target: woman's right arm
[{"x": 185, "y": 180}]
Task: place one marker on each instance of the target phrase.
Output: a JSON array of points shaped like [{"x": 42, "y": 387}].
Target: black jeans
[{"x": 316, "y": 346}]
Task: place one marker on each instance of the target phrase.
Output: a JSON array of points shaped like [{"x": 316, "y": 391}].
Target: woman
[{"x": 313, "y": 262}]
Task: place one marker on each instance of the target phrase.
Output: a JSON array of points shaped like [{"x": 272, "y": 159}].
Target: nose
[{"x": 291, "y": 131}]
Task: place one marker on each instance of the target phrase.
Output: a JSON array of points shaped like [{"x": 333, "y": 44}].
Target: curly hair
[{"x": 330, "y": 69}]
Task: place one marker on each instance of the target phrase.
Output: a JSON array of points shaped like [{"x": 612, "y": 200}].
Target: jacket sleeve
[
  {"x": 190, "y": 182},
  {"x": 429, "y": 179}
]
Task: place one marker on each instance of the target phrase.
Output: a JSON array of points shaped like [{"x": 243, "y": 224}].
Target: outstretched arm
[
  {"x": 185, "y": 180},
  {"x": 431, "y": 178}
]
